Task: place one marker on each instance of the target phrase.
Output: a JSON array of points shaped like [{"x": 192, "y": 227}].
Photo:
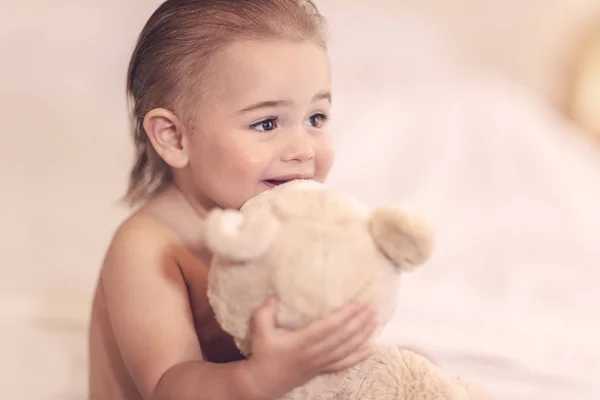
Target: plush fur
[{"x": 315, "y": 249}]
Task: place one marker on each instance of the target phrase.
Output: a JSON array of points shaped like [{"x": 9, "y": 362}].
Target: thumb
[{"x": 264, "y": 317}]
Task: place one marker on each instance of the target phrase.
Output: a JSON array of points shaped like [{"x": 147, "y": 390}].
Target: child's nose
[{"x": 298, "y": 147}]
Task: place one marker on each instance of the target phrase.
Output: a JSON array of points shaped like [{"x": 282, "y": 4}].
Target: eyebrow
[{"x": 283, "y": 103}]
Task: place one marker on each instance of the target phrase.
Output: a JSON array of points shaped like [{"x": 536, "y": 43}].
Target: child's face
[{"x": 263, "y": 121}]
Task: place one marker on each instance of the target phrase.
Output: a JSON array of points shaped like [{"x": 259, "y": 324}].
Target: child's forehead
[{"x": 269, "y": 68}]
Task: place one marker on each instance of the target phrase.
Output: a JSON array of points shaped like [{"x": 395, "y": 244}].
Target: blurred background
[{"x": 483, "y": 115}]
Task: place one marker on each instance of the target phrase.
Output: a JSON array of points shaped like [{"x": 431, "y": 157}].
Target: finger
[
  {"x": 351, "y": 360},
  {"x": 350, "y": 335},
  {"x": 263, "y": 319},
  {"x": 324, "y": 327},
  {"x": 343, "y": 349}
]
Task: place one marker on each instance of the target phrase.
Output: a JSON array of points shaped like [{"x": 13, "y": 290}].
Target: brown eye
[
  {"x": 317, "y": 120},
  {"x": 268, "y": 125},
  {"x": 265, "y": 125}
]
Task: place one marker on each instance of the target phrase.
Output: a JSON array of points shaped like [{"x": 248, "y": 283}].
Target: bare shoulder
[
  {"x": 147, "y": 240},
  {"x": 144, "y": 251},
  {"x": 147, "y": 299},
  {"x": 144, "y": 240},
  {"x": 143, "y": 231}
]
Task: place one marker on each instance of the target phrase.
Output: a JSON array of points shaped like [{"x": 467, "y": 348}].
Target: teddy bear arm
[
  {"x": 394, "y": 373},
  {"x": 322, "y": 387},
  {"x": 429, "y": 381}
]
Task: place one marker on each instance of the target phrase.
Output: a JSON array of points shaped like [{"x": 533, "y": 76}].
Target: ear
[
  {"x": 405, "y": 239},
  {"x": 166, "y": 133},
  {"x": 240, "y": 236}
]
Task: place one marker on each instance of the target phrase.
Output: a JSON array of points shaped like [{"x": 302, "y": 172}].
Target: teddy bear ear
[
  {"x": 240, "y": 236},
  {"x": 404, "y": 238}
]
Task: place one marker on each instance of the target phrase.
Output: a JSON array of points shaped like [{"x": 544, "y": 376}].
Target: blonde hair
[{"x": 174, "y": 50}]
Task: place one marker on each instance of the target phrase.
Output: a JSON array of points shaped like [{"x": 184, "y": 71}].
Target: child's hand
[{"x": 282, "y": 360}]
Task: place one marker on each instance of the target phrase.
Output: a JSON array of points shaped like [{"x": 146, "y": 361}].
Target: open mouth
[{"x": 275, "y": 182}]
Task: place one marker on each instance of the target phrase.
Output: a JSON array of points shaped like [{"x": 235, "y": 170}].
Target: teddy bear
[{"x": 314, "y": 249}]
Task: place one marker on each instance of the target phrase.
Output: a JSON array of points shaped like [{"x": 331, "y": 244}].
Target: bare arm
[
  {"x": 202, "y": 380},
  {"x": 148, "y": 304}
]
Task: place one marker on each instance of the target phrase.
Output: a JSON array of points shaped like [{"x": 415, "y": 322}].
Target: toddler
[{"x": 229, "y": 98}]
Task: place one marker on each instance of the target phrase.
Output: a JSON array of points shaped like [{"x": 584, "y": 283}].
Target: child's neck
[{"x": 181, "y": 189}]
